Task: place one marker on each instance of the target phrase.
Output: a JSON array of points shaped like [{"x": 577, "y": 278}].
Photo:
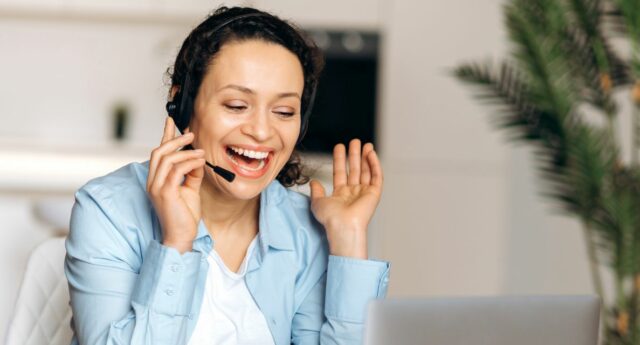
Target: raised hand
[
  {"x": 176, "y": 202},
  {"x": 346, "y": 213}
]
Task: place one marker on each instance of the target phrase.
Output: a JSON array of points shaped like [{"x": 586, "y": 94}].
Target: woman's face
[{"x": 247, "y": 114}]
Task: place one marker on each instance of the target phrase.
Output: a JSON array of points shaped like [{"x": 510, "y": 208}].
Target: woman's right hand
[{"x": 176, "y": 203}]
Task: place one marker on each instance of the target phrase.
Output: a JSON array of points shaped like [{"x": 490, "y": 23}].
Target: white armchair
[{"x": 42, "y": 312}]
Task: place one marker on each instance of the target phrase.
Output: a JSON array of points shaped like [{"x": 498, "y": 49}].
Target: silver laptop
[{"x": 539, "y": 320}]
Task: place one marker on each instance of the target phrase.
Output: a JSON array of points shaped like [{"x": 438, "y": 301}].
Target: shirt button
[
  {"x": 169, "y": 292},
  {"x": 273, "y": 321},
  {"x": 175, "y": 268}
]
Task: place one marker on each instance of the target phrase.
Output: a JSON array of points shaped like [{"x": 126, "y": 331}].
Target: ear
[{"x": 173, "y": 91}]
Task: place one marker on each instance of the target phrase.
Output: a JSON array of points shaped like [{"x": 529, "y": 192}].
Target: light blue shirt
[{"x": 128, "y": 288}]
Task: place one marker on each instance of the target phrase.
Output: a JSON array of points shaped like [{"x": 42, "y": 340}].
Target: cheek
[
  {"x": 291, "y": 133},
  {"x": 217, "y": 125}
]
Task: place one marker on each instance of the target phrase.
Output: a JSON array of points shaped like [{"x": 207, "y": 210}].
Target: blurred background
[{"x": 84, "y": 93}]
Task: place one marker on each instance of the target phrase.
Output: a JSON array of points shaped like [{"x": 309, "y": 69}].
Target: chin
[
  {"x": 243, "y": 191},
  {"x": 242, "y": 188}
]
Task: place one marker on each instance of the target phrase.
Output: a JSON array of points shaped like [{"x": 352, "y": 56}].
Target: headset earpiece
[
  {"x": 171, "y": 108},
  {"x": 180, "y": 111}
]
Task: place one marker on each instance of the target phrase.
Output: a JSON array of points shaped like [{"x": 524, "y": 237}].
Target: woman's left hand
[{"x": 347, "y": 212}]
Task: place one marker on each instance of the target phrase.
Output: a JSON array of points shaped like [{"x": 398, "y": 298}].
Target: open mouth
[{"x": 252, "y": 161}]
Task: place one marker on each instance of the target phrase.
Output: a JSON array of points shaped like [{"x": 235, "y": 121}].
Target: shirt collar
[{"x": 274, "y": 220}]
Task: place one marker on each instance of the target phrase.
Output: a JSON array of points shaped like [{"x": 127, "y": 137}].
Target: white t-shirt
[{"x": 228, "y": 314}]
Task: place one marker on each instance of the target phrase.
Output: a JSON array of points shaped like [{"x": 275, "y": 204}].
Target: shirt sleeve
[
  {"x": 119, "y": 296},
  {"x": 334, "y": 311}
]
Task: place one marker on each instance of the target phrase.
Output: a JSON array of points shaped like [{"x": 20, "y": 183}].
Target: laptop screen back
[{"x": 540, "y": 320}]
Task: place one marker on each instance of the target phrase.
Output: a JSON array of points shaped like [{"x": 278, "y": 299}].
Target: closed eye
[
  {"x": 238, "y": 108},
  {"x": 235, "y": 108}
]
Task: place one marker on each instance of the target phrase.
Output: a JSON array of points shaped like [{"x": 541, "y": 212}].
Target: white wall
[
  {"x": 460, "y": 213},
  {"x": 67, "y": 75}
]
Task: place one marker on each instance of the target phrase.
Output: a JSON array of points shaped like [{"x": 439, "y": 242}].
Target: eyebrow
[{"x": 252, "y": 92}]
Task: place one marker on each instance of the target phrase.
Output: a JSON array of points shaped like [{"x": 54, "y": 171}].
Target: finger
[
  {"x": 176, "y": 143},
  {"x": 169, "y": 130},
  {"x": 167, "y": 161},
  {"x": 365, "y": 175},
  {"x": 193, "y": 179},
  {"x": 354, "y": 162},
  {"x": 166, "y": 165},
  {"x": 376, "y": 169},
  {"x": 159, "y": 152},
  {"x": 181, "y": 171},
  {"x": 339, "y": 166},
  {"x": 152, "y": 162},
  {"x": 167, "y": 134},
  {"x": 317, "y": 190}
]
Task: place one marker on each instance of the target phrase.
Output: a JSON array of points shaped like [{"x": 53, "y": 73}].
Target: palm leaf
[
  {"x": 542, "y": 61},
  {"x": 508, "y": 90}
]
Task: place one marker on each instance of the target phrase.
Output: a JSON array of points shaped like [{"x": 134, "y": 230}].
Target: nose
[{"x": 259, "y": 125}]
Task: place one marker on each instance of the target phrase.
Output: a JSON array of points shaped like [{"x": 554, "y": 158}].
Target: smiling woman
[
  {"x": 251, "y": 91},
  {"x": 171, "y": 252}
]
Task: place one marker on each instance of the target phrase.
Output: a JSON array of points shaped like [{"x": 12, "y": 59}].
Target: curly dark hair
[{"x": 201, "y": 46}]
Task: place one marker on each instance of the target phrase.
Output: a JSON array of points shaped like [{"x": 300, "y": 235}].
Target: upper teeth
[{"x": 249, "y": 153}]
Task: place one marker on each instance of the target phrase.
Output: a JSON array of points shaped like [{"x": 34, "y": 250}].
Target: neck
[{"x": 226, "y": 216}]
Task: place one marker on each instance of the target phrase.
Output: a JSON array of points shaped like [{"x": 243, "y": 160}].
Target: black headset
[{"x": 180, "y": 108}]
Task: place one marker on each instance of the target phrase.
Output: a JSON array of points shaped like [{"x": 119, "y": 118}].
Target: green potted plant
[{"x": 558, "y": 90}]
